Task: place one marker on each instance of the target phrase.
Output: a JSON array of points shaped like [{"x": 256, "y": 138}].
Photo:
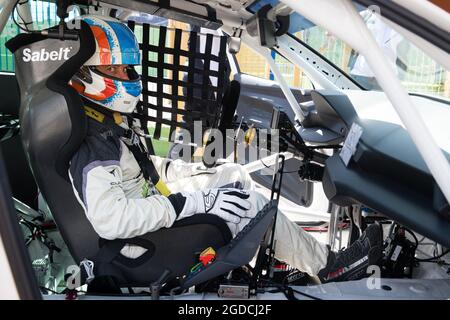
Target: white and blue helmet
[{"x": 115, "y": 45}]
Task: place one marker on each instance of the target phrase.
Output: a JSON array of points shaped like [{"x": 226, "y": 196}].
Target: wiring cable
[
  {"x": 269, "y": 167},
  {"x": 431, "y": 259},
  {"x": 21, "y": 18},
  {"x": 288, "y": 291}
]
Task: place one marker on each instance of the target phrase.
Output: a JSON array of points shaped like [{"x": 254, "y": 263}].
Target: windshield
[{"x": 418, "y": 72}]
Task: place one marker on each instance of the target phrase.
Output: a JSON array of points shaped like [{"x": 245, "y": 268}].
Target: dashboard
[{"x": 386, "y": 171}]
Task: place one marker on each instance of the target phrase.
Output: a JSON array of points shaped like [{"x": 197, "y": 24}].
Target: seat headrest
[
  {"x": 38, "y": 58},
  {"x": 49, "y": 106}
]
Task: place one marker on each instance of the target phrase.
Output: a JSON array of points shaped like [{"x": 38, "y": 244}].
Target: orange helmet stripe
[{"x": 103, "y": 45}]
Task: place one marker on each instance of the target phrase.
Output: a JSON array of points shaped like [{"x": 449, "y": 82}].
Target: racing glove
[{"x": 229, "y": 204}]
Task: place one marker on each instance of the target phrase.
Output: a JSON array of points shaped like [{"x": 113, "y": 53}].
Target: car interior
[{"x": 342, "y": 159}]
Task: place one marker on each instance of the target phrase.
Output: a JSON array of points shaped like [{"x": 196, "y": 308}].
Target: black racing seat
[{"x": 53, "y": 126}]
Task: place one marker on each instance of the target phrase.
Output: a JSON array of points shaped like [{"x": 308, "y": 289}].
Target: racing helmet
[{"x": 115, "y": 45}]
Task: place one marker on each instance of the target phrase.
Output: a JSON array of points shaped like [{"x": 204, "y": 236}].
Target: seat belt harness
[{"x": 133, "y": 142}]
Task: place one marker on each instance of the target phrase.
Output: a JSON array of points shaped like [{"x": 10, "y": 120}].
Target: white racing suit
[{"x": 120, "y": 203}]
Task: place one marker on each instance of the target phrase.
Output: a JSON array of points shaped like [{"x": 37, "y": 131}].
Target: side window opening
[
  {"x": 6, "y": 58},
  {"x": 416, "y": 70},
  {"x": 253, "y": 64}
]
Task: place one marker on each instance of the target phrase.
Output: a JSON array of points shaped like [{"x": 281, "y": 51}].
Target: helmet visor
[{"x": 132, "y": 75}]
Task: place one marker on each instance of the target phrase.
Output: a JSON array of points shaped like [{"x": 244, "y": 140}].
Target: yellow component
[
  {"x": 94, "y": 114},
  {"x": 198, "y": 153},
  {"x": 208, "y": 251},
  {"x": 206, "y": 136},
  {"x": 196, "y": 267},
  {"x": 250, "y": 135},
  {"x": 162, "y": 188},
  {"x": 117, "y": 118}
]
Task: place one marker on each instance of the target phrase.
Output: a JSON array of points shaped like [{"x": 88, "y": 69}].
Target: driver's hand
[{"x": 230, "y": 204}]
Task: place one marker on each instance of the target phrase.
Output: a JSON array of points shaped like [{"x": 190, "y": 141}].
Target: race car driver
[{"x": 121, "y": 202}]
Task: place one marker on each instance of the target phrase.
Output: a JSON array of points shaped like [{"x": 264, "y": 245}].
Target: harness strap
[{"x": 133, "y": 142}]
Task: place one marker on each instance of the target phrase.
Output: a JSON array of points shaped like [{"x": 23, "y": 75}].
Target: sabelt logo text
[{"x": 44, "y": 55}]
